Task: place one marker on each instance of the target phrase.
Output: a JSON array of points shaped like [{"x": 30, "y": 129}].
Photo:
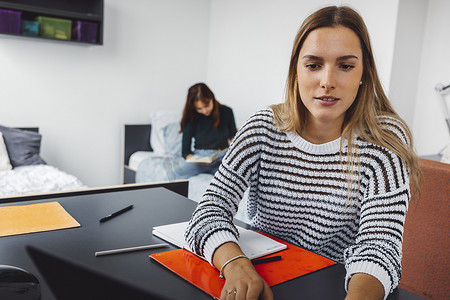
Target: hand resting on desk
[
  {"x": 241, "y": 277},
  {"x": 243, "y": 280}
]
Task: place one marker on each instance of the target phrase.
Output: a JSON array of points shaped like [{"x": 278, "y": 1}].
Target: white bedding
[
  {"x": 36, "y": 179},
  {"x": 137, "y": 157}
]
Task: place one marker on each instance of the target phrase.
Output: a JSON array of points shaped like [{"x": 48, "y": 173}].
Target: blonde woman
[{"x": 328, "y": 170}]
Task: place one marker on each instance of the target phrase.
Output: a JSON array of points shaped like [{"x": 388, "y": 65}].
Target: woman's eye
[
  {"x": 312, "y": 66},
  {"x": 346, "y": 67}
]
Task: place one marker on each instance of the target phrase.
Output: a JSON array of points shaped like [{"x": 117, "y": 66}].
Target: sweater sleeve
[
  {"x": 186, "y": 142},
  {"x": 212, "y": 222},
  {"x": 378, "y": 247},
  {"x": 231, "y": 125}
]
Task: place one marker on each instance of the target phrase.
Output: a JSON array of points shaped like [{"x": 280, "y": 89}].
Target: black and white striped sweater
[{"x": 299, "y": 192}]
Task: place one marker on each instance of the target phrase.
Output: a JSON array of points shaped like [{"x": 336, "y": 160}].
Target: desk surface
[{"x": 152, "y": 207}]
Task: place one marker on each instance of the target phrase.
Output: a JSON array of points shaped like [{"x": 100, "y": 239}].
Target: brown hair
[
  {"x": 370, "y": 102},
  {"x": 199, "y": 92}
]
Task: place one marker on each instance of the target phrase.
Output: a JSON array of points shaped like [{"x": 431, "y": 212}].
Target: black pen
[
  {"x": 266, "y": 260},
  {"x": 115, "y": 214}
]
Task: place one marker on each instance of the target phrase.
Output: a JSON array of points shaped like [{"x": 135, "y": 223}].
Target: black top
[{"x": 205, "y": 135}]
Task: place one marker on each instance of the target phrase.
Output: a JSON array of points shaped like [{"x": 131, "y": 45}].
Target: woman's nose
[{"x": 328, "y": 80}]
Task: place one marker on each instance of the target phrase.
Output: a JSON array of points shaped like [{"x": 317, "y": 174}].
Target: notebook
[
  {"x": 205, "y": 159},
  {"x": 252, "y": 243},
  {"x": 21, "y": 219},
  {"x": 295, "y": 262}
]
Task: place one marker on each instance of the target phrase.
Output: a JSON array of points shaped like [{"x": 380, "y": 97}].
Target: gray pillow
[
  {"x": 172, "y": 139},
  {"x": 23, "y": 146}
]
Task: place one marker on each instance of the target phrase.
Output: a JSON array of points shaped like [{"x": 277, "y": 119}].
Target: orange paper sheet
[
  {"x": 295, "y": 262},
  {"x": 21, "y": 219}
]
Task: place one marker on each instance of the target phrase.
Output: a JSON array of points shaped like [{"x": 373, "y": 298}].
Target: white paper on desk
[{"x": 252, "y": 243}]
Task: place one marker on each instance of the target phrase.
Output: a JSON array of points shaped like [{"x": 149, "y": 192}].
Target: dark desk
[{"x": 152, "y": 207}]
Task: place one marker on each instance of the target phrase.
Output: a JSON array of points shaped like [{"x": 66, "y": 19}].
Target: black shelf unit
[{"x": 82, "y": 10}]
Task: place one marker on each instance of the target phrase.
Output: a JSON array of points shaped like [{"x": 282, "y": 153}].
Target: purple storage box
[
  {"x": 85, "y": 31},
  {"x": 10, "y": 21}
]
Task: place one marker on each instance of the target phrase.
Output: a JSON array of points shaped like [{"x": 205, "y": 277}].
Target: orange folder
[
  {"x": 295, "y": 262},
  {"x": 21, "y": 219}
]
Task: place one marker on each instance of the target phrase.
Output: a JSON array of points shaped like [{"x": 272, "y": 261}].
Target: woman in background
[
  {"x": 207, "y": 127},
  {"x": 329, "y": 169}
]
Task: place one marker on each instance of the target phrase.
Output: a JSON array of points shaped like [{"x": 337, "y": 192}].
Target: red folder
[{"x": 295, "y": 262}]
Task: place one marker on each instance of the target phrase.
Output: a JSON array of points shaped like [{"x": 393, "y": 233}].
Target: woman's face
[
  {"x": 204, "y": 108},
  {"x": 329, "y": 71}
]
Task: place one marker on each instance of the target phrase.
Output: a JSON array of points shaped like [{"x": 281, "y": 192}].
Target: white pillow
[
  {"x": 160, "y": 119},
  {"x": 4, "y": 158}
]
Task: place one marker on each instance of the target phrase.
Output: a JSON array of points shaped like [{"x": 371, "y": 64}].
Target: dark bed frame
[
  {"x": 136, "y": 138},
  {"x": 34, "y": 129},
  {"x": 177, "y": 186}
]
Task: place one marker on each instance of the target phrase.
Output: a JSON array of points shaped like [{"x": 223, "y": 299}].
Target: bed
[
  {"x": 22, "y": 169},
  {"x": 147, "y": 146}
]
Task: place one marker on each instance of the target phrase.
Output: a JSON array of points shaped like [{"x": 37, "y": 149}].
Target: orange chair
[{"x": 426, "y": 235}]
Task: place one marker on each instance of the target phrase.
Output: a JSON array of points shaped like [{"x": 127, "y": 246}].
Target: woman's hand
[
  {"x": 364, "y": 286},
  {"x": 242, "y": 282}
]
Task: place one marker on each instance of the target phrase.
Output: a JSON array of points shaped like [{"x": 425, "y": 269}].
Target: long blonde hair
[{"x": 370, "y": 102}]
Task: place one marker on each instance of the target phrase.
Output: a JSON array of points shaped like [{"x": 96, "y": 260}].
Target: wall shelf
[{"x": 74, "y": 10}]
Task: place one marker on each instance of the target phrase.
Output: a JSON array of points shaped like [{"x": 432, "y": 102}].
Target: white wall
[
  {"x": 251, "y": 43},
  {"x": 80, "y": 95},
  {"x": 430, "y": 130},
  {"x": 411, "y": 22}
]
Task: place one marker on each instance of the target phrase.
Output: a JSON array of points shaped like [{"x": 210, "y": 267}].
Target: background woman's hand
[
  {"x": 242, "y": 282},
  {"x": 198, "y": 163}
]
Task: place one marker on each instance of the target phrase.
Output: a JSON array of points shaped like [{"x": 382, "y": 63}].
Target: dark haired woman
[{"x": 207, "y": 127}]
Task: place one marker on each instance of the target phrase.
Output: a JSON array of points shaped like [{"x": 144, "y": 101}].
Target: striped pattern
[{"x": 299, "y": 192}]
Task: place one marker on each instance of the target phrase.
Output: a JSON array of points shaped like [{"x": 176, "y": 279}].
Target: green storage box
[{"x": 54, "y": 28}]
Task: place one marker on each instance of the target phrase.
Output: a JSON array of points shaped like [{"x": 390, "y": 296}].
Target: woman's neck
[{"x": 321, "y": 134}]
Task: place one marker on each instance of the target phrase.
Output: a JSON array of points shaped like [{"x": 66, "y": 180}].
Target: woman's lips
[{"x": 327, "y": 98}]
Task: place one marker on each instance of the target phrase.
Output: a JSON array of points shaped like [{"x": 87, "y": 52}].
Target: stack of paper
[{"x": 252, "y": 243}]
